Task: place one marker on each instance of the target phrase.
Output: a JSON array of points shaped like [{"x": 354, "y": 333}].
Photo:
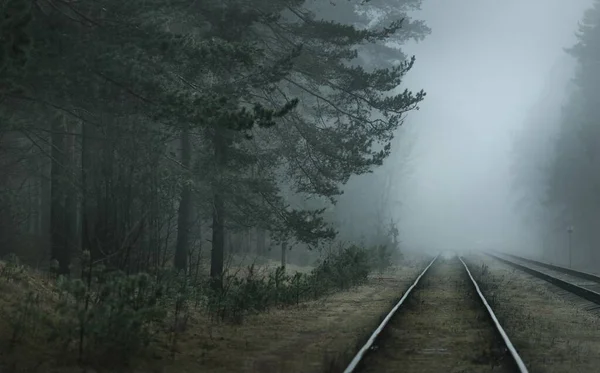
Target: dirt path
[
  {"x": 552, "y": 332},
  {"x": 442, "y": 328},
  {"x": 316, "y": 337}
]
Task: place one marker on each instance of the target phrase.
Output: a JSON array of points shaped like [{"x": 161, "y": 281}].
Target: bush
[
  {"x": 344, "y": 268},
  {"x": 112, "y": 318},
  {"x": 340, "y": 269},
  {"x": 107, "y": 319},
  {"x": 382, "y": 256},
  {"x": 108, "y": 316},
  {"x": 11, "y": 269}
]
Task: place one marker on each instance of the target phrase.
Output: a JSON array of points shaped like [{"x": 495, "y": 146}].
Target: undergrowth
[{"x": 106, "y": 318}]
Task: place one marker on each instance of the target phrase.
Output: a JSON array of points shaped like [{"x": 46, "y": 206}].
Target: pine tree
[
  {"x": 347, "y": 115},
  {"x": 228, "y": 110},
  {"x": 574, "y": 180},
  {"x": 16, "y": 44},
  {"x": 332, "y": 136}
]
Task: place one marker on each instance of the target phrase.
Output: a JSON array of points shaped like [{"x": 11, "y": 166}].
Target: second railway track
[
  {"x": 443, "y": 323},
  {"x": 579, "y": 287}
]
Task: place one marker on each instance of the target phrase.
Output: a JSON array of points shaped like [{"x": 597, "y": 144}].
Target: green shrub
[
  {"x": 26, "y": 319},
  {"x": 108, "y": 316},
  {"x": 114, "y": 317},
  {"x": 12, "y": 269},
  {"x": 340, "y": 269},
  {"x": 344, "y": 268},
  {"x": 382, "y": 257}
]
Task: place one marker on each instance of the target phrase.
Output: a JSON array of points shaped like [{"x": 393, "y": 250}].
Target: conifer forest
[{"x": 250, "y": 185}]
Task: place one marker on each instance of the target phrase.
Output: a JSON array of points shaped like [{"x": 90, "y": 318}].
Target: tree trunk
[
  {"x": 185, "y": 205},
  {"x": 284, "y": 248},
  {"x": 194, "y": 266},
  {"x": 71, "y": 231},
  {"x": 218, "y": 243},
  {"x": 245, "y": 242},
  {"x": 58, "y": 216},
  {"x": 34, "y": 201},
  {"x": 218, "y": 227},
  {"x": 89, "y": 212},
  {"x": 85, "y": 169},
  {"x": 45, "y": 206}
]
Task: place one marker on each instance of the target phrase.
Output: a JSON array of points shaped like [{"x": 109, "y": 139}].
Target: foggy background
[{"x": 485, "y": 68}]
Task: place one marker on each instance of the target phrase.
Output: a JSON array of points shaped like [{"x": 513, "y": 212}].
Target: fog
[{"x": 484, "y": 67}]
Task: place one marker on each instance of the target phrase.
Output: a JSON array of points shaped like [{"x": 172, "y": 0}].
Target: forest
[
  {"x": 157, "y": 156},
  {"x": 555, "y": 159}
]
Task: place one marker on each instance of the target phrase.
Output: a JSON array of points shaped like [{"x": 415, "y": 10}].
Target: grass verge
[
  {"x": 317, "y": 336},
  {"x": 136, "y": 323},
  {"x": 552, "y": 334}
]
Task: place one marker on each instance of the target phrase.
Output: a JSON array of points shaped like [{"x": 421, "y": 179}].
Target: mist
[
  {"x": 253, "y": 186},
  {"x": 485, "y": 67}
]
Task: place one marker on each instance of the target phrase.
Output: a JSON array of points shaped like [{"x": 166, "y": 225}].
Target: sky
[{"x": 484, "y": 67}]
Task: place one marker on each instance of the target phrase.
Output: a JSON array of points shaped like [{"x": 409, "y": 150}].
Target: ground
[
  {"x": 552, "y": 332},
  {"x": 316, "y": 336}
]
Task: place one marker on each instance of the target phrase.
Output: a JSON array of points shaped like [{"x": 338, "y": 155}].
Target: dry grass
[
  {"x": 313, "y": 337},
  {"x": 551, "y": 333},
  {"x": 443, "y": 328},
  {"x": 238, "y": 265},
  {"x": 309, "y": 338},
  {"x": 26, "y": 353}
]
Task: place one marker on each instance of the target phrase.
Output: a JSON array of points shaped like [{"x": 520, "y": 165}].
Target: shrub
[
  {"x": 382, "y": 257},
  {"x": 108, "y": 316},
  {"x": 344, "y": 268},
  {"x": 111, "y": 318},
  {"x": 340, "y": 269},
  {"x": 11, "y": 269}
]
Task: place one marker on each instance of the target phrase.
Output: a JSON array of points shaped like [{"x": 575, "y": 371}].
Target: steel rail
[
  {"x": 511, "y": 348},
  {"x": 568, "y": 271},
  {"x": 590, "y": 295},
  {"x": 361, "y": 353}
]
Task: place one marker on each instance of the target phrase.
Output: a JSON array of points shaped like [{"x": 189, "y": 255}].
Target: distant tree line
[{"x": 563, "y": 180}]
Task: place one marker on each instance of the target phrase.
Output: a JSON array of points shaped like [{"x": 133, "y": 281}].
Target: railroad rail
[
  {"x": 569, "y": 271},
  {"x": 391, "y": 329},
  {"x": 582, "y": 284}
]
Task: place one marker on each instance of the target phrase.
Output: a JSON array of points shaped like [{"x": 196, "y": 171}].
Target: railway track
[
  {"x": 580, "y": 287},
  {"x": 442, "y": 323}
]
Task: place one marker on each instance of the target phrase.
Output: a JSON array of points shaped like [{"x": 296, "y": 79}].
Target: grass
[
  {"x": 315, "y": 335},
  {"x": 552, "y": 334}
]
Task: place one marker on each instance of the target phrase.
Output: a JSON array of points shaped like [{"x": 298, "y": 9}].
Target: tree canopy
[{"x": 138, "y": 125}]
